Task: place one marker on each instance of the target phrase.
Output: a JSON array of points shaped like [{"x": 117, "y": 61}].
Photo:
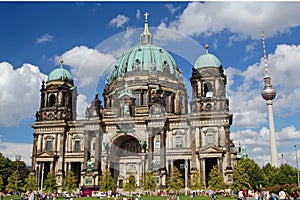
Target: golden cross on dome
[{"x": 146, "y": 16}]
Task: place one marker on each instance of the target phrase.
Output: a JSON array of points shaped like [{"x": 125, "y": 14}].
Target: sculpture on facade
[{"x": 90, "y": 166}]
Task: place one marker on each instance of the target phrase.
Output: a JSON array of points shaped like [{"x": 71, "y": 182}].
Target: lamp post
[
  {"x": 42, "y": 178},
  {"x": 297, "y": 165},
  {"x": 18, "y": 158},
  {"x": 186, "y": 177}
]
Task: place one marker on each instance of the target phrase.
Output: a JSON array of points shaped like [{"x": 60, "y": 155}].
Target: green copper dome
[
  {"x": 60, "y": 74},
  {"x": 145, "y": 57},
  {"x": 207, "y": 60}
]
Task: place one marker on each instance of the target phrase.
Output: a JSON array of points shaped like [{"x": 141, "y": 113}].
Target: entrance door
[{"x": 209, "y": 164}]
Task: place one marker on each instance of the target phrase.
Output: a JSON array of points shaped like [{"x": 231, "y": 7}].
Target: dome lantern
[{"x": 146, "y": 35}]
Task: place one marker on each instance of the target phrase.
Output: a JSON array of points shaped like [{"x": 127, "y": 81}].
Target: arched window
[
  {"x": 52, "y": 100},
  {"x": 208, "y": 89}
]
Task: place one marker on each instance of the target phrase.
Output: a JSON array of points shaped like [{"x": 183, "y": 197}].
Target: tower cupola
[
  {"x": 207, "y": 60},
  {"x": 60, "y": 74},
  {"x": 58, "y": 96}
]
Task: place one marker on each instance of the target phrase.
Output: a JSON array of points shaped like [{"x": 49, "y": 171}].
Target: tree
[
  {"x": 22, "y": 169},
  {"x": 286, "y": 174},
  {"x": 240, "y": 178},
  {"x": 149, "y": 182},
  {"x": 196, "y": 181},
  {"x": 256, "y": 174},
  {"x": 14, "y": 184},
  {"x": 175, "y": 182},
  {"x": 130, "y": 184},
  {"x": 50, "y": 182},
  {"x": 6, "y": 169},
  {"x": 216, "y": 179},
  {"x": 30, "y": 183},
  {"x": 1, "y": 183},
  {"x": 69, "y": 182},
  {"x": 106, "y": 181},
  {"x": 271, "y": 174}
]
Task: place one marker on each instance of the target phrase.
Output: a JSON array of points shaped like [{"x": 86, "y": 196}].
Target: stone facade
[{"x": 143, "y": 125}]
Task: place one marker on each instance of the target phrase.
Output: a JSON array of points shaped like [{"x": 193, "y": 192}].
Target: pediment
[
  {"x": 45, "y": 154},
  {"x": 206, "y": 150},
  {"x": 125, "y": 96}
]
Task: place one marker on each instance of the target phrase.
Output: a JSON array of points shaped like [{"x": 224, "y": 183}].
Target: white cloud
[
  {"x": 246, "y": 103},
  {"x": 19, "y": 87},
  {"x": 251, "y": 47},
  {"x": 240, "y": 18},
  {"x": 138, "y": 14},
  {"x": 171, "y": 8},
  {"x": 258, "y": 146},
  {"x": 119, "y": 21},
  {"x": 10, "y": 150},
  {"x": 87, "y": 65},
  {"x": 44, "y": 38},
  {"x": 82, "y": 104}
]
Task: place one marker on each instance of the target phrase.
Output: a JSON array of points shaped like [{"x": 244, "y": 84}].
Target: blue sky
[{"x": 89, "y": 36}]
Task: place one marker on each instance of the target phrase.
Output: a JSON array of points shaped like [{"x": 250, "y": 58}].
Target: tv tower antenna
[{"x": 269, "y": 93}]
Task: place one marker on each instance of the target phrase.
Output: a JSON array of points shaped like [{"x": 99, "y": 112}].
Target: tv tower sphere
[{"x": 268, "y": 92}]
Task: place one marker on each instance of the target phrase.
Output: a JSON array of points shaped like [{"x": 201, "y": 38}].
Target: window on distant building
[
  {"x": 49, "y": 145},
  {"x": 137, "y": 96},
  {"x": 157, "y": 144},
  {"x": 52, "y": 100},
  {"x": 208, "y": 89},
  {"x": 144, "y": 97},
  {"x": 210, "y": 139},
  {"x": 77, "y": 145},
  {"x": 178, "y": 141}
]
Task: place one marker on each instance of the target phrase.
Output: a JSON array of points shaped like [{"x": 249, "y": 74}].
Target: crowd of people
[
  {"x": 28, "y": 196},
  {"x": 268, "y": 195}
]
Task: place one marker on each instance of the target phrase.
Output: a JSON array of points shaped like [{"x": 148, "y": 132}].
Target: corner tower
[
  {"x": 57, "y": 110},
  {"x": 58, "y": 96},
  {"x": 210, "y": 119}
]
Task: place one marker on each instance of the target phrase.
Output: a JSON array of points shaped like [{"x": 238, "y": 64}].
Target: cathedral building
[{"x": 143, "y": 124}]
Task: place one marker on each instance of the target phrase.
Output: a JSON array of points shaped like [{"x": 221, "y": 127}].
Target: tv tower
[{"x": 269, "y": 93}]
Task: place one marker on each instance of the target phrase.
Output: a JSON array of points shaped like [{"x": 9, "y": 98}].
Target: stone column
[
  {"x": 61, "y": 149},
  {"x": 98, "y": 151},
  {"x": 39, "y": 144},
  {"x": 163, "y": 149},
  {"x": 163, "y": 157},
  {"x": 150, "y": 149},
  {"x": 86, "y": 150},
  {"x": 228, "y": 155},
  {"x": 193, "y": 148}
]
